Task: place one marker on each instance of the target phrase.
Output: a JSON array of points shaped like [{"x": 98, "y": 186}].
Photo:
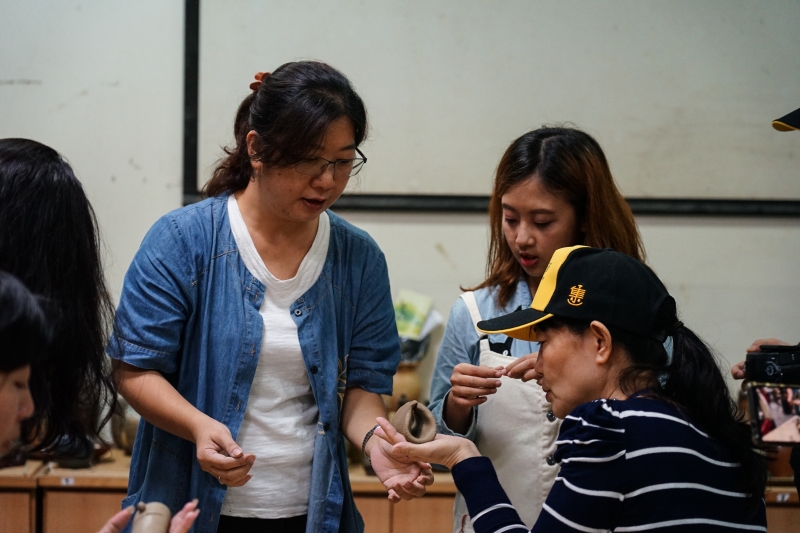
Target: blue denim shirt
[
  {"x": 189, "y": 309},
  {"x": 460, "y": 345}
]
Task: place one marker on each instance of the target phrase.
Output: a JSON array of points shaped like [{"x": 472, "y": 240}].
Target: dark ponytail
[
  {"x": 694, "y": 382},
  {"x": 290, "y": 111}
]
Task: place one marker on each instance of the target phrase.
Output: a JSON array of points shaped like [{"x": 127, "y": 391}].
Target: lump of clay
[
  {"x": 151, "y": 517},
  {"x": 415, "y": 422}
]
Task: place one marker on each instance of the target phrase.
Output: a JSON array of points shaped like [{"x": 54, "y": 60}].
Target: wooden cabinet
[
  {"x": 783, "y": 509},
  {"x": 78, "y": 511},
  {"x": 72, "y": 501},
  {"x": 68, "y": 500},
  {"x": 376, "y": 512},
  {"x": 18, "y": 498},
  {"x": 83, "y": 500},
  {"x": 18, "y": 511},
  {"x": 431, "y": 514}
]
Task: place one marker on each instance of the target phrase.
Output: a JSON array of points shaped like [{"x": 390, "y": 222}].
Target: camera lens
[{"x": 772, "y": 369}]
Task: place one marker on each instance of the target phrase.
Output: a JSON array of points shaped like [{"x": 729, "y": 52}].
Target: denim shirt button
[
  {"x": 314, "y": 369},
  {"x": 551, "y": 416},
  {"x": 326, "y": 426},
  {"x": 298, "y": 312}
]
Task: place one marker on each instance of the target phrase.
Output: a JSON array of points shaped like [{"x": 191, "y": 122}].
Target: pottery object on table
[
  {"x": 406, "y": 386},
  {"x": 124, "y": 425}
]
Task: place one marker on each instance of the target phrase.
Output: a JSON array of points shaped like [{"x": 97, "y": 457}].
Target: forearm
[
  {"x": 457, "y": 417},
  {"x": 155, "y": 399},
  {"x": 452, "y": 419},
  {"x": 359, "y": 411},
  {"x": 458, "y": 347}
]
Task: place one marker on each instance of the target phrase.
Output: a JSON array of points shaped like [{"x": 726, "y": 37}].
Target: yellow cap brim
[
  {"x": 782, "y": 126},
  {"x": 521, "y": 328}
]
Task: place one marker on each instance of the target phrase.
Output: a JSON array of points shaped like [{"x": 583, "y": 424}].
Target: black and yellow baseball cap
[
  {"x": 788, "y": 122},
  {"x": 586, "y": 283}
]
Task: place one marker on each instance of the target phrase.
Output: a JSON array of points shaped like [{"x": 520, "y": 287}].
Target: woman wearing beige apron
[{"x": 553, "y": 188}]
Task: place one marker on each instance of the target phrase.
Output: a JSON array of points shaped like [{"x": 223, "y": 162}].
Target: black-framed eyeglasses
[{"x": 342, "y": 168}]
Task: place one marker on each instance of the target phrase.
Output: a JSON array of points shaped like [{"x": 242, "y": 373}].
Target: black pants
[{"x": 235, "y": 524}]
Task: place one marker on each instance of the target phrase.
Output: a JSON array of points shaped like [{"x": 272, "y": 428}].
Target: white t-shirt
[{"x": 279, "y": 424}]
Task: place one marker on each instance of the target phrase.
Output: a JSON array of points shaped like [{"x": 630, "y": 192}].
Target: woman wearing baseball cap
[{"x": 647, "y": 442}]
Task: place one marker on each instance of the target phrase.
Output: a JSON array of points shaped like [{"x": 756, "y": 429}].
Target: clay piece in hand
[
  {"x": 415, "y": 422},
  {"x": 151, "y": 517}
]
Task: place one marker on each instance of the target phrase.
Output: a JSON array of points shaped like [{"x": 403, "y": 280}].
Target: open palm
[{"x": 403, "y": 477}]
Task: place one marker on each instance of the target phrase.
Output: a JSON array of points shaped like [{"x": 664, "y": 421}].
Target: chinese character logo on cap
[{"x": 576, "y": 295}]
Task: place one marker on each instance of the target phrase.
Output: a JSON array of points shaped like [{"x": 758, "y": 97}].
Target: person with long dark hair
[
  {"x": 25, "y": 335},
  {"x": 256, "y": 328},
  {"x": 648, "y": 441},
  {"x": 49, "y": 240},
  {"x": 553, "y": 188}
]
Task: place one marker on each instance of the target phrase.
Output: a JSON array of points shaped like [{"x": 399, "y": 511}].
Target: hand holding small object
[
  {"x": 470, "y": 384},
  {"x": 153, "y": 518},
  {"x": 444, "y": 449},
  {"x": 523, "y": 368},
  {"x": 220, "y": 456}
]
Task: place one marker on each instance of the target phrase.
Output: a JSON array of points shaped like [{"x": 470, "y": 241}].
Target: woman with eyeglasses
[
  {"x": 256, "y": 328},
  {"x": 553, "y": 188}
]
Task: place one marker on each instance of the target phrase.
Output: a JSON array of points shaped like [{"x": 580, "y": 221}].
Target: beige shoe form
[{"x": 151, "y": 517}]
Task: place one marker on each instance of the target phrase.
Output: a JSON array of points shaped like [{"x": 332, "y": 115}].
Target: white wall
[
  {"x": 679, "y": 92},
  {"x": 101, "y": 81}
]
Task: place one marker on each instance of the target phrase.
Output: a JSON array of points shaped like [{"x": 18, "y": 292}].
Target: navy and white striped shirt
[{"x": 626, "y": 465}]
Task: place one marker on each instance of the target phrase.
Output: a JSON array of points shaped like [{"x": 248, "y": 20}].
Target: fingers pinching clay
[
  {"x": 415, "y": 422},
  {"x": 151, "y": 517}
]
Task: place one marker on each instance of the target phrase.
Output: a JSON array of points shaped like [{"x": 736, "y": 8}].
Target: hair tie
[
  {"x": 260, "y": 76},
  {"x": 675, "y": 327}
]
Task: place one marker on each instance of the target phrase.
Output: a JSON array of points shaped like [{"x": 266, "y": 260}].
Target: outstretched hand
[
  {"x": 183, "y": 519},
  {"x": 404, "y": 478},
  {"x": 118, "y": 521},
  {"x": 444, "y": 449}
]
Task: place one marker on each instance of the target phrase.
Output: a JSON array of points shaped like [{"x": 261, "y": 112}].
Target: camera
[
  {"x": 774, "y": 394},
  {"x": 774, "y": 364}
]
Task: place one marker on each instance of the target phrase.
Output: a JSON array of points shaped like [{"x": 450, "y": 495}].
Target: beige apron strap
[{"x": 475, "y": 314}]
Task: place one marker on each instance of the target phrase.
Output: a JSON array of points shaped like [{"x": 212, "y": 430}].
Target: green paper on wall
[{"x": 410, "y": 311}]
